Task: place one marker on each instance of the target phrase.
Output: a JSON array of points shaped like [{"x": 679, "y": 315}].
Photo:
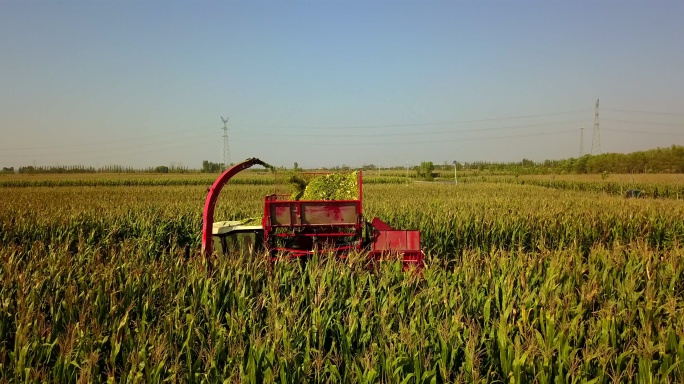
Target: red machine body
[{"x": 297, "y": 228}]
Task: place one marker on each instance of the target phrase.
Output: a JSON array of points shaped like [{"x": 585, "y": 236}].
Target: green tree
[
  {"x": 209, "y": 167},
  {"x": 581, "y": 164},
  {"x": 425, "y": 170}
]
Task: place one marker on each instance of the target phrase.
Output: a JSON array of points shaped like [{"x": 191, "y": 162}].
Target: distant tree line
[
  {"x": 210, "y": 167},
  {"x": 104, "y": 169},
  {"x": 659, "y": 160},
  {"x": 207, "y": 166},
  {"x": 56, "y": 169}
]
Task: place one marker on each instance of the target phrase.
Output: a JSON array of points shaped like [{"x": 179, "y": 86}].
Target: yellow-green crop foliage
[
  {"x": 523, "y": 283},
  {"x": 334, "y": 186}
]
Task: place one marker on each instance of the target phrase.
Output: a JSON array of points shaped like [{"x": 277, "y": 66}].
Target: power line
[
  {"x": 423, "y": 141},
  {"x": 208, "y": 141},
  {"x": 108, "y": 142},
  {"x": 645, "y": 112},
  {"x": 115, "y": 156},
  {"x": 415, "y": 124},
  {"x": 95, "y": 143},
  {"x": 421, "y": 133},
  {"x": 645, "y": 132},
  {"x": 84, "y": 149},
  {"x": 183, "y": 145},
  {"x": 646, "y": 122},
  {"x": 490, "y": 137},
  {"x": 120, "y": 149}
]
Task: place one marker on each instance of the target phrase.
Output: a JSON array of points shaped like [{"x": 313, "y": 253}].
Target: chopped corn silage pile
[{"x": 334, "y": 186}]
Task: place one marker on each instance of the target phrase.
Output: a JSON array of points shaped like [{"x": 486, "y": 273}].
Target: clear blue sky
[{"x": 145, "y": 83}]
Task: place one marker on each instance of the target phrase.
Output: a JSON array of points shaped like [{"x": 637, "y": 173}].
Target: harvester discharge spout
[{"x": 214, "y": 191}]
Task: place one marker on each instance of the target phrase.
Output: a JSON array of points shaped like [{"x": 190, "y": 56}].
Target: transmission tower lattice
[
  {"x": 226, "y": 148},
  {"x": 581, "y": 141},
  {"x": 596, "y": 140}
]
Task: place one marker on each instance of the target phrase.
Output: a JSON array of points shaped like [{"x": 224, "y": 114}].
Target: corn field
[
  {"x": 651, "y": 189},
  {"x": 105, "y": 283},
  {"x": 24, "y": 181}
]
